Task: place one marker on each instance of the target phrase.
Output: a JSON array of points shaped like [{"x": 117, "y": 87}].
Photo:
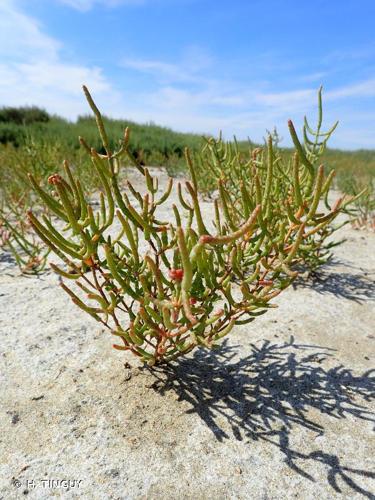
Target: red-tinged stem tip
[
  {"x": 206, "y": 238},
  {"x": 176, "y": 274},
  {"x": 54, "y": 179}
]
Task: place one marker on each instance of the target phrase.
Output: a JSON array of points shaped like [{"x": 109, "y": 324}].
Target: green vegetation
[
  {"x": 16, "y": 236},
  {"x": 161, "y": 287},
  {"x": 25, "y": 132},
  {"x": 355, "y": 171},
  {"x": 34, "y": 142},
  {"x": 152, "y": 145},
  {"x": 226, "y": 166}
]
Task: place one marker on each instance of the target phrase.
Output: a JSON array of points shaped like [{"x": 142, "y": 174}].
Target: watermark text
[{"x": 63, "y": 484}]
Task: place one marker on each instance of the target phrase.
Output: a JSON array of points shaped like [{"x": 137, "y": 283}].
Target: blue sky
[{"x": 199, "y": 66}]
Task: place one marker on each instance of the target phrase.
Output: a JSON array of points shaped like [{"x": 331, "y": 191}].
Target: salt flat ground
[{"x": 285, "y": 409}]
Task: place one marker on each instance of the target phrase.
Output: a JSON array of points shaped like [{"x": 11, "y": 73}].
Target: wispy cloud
[
  {"x": 213, "y": 103},
  {"x": 192, "y": 67},
  {"x": 161, "y": 70},
  {"x": 354, "y": 54},
  {"x": 293, "y": 99},
  {"x": 86, "y": 5},
  {"x": 365, "y": 88},
  {"x": 313, "y": 77},
  {"x": 170, "y": 81}
]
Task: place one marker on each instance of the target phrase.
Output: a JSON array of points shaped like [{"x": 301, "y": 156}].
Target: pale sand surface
[{"x": 284, "y": 410}]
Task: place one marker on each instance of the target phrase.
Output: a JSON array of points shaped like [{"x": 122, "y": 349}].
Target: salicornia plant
[
  {"x": 294, "y": 183},
  {"x": 362, "y": 215},
  {"x": 161, "y": 287},
  {"x": 38, "y": 158},
  {"x": 17, "y": 237}
]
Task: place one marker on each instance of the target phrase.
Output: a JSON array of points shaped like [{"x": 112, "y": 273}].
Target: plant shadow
[
  {"x": 6, "y": 257},
  {"x": 355, "y": 286},
  {"x": 268, "y": 394}
]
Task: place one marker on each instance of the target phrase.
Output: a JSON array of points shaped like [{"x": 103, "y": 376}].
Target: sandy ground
[{"x": 285, "y": 409}]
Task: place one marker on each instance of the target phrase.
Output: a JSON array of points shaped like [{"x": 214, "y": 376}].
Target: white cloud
[
  {"x": 313, "y": 77},
  {"x": 181, "y": 93},
  {"x": 211, "y": 105},
  {"x": 204, "y": 111},
  {"x": 193, "y": 68},
  {"x": 63, "y": 77},
  {"x": 193, "y": 62},
  {"x": 287, "y": 100},
  {"x": 158, "y": 69},
  {"x": 176, "y": 98},
  {"x": 21, "y": 36},
  {"x": 51, "y": 85},
  {"x": 361, "y": 89},
  {"x": 86, "y": 5},
  {"x": 33, "y": 72}
]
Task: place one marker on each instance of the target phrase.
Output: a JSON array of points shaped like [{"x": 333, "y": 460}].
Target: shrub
[
  {"x": 11, "y": 134},
  {"x": 363, "y": 190},
  {"x": 16, "y": 237},
  {"x": 39, "y": 158},
  {"x": 235, "y": 175},
  {"x": 161, "y": 287},
  {"x": 23, "y": 115}
]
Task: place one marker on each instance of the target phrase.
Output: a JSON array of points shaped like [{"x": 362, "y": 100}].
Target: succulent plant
[
  {"x": 294, "y": 185},
  {"x": 17, "y": 196},
  {"x": 161, "y": 287},
  {"x": 18, "y": 239}
]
